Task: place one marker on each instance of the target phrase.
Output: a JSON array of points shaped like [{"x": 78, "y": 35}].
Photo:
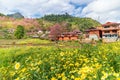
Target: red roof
[
  {"x": 69, "y": 34},
  {"x": 92, "y": 29},
  {"x": 110, "y": 23}
]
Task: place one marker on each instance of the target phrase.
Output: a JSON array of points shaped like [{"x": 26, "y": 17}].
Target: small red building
[{"x": 69, "y": 36}]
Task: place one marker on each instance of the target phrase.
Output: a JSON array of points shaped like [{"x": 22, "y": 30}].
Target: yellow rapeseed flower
[{"x": 17, "y": 65}]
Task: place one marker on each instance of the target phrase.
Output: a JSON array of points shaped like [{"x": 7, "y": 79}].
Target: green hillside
[
  {"x": 8, "y": 24},
  {"x": 76, "y": 22},
  {"x": 47, "y": 21}
]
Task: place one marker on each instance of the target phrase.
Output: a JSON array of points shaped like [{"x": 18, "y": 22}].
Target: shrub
[{"x": 20, "y": 32}]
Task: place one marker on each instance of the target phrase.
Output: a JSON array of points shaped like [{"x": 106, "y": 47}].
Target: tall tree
[
  {"x": 55, "y": 31},
  {"x": 20, "y": 32}
]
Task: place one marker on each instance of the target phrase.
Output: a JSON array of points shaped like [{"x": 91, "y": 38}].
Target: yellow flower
[
  {"x": 17, "y": 65},
  {"x": 71, "y": 64},
  {"x": 62, "y": 54},
  {"x": 52, "y": 68},
  {"x": 23, "y": 70},
  {"x": 118, "y": 78},
  {"x": 12, "y": 73},
  {"x": 85, "y": 70},
  {"x": 17, "y": 78},
  {"x": 83, "y": 76},
  {"x": 58, "y": 75},
  {"x": 94, "y": 76},
  {"x": 77, "y": 79},
  {"x": 39, "y": 62},
  {"x": 64, "y": 78},
  {"x": 116, "y": 74},
  {"x": 62, "y": 74},
  {"x": 98, "y": 66},
  {"x": 53, "y": 78},
  {"x": 72, "y": 77},
  {"x": 77, "y": 64},
  {"x": 105, "y": 75}
]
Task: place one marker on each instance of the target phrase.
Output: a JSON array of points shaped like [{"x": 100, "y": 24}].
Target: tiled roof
[{"x": 110, "y": 23}]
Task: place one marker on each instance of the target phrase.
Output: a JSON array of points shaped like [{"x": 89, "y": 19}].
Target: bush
[{"x": 20, "y": 32}]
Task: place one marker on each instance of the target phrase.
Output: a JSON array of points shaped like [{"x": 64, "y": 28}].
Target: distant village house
[
  {"x": 108, "y": 31},
  {"x": 69, "y": 36},
  {"x": 66, "y": 36}
]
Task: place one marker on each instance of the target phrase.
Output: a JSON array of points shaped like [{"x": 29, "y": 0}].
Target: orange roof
[
  {"x": 110, "y": 23},
  {"x": 92, "y": 29}
]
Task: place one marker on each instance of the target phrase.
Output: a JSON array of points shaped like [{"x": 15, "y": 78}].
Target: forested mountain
[
  {"x": 66, "y": 21},
  {"x": 75, "y": 22},
  {"x": 47, "y": 21},
  {"x": 58, "y": 18}
]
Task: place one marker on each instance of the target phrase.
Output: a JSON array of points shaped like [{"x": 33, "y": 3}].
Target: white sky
[{"x": 101, "y": 10}]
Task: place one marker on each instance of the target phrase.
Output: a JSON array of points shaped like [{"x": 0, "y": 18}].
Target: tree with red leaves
[{"x": 55, "y": 31}]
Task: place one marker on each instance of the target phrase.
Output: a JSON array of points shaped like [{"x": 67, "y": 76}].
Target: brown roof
[
  {"x": 92, "y": 29},
  {"x": 68, "y": 34},
  {"x": 110, "y": 23}
]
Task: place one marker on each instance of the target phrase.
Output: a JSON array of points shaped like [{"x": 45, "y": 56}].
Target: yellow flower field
[{"x": 100, "y": 62}]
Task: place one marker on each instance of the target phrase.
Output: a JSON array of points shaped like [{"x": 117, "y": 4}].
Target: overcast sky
[{"x": 101, "y": 10}]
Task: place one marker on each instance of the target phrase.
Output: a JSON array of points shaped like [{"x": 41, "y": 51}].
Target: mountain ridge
[
  {"x": 16, "y": 15},
  {"x": 47, "y": 21}
]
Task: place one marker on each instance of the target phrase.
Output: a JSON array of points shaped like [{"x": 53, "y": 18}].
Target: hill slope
[
  {"x": 76, "y": 22},
  {"x": 45, "y": 23}
]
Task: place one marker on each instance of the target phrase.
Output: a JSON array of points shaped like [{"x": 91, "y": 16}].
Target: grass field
[{"x": 61, "y": 61}]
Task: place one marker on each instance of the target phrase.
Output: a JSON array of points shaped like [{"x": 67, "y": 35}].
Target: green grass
[
  {"x": 24, "y": 41},
  {"x": 33, "y": 41}
]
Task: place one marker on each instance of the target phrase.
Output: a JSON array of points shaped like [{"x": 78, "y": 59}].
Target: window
[
  {"x": 114, "y": 31},
  {"x": 107, "y": 32},
  {"x": 106, "y": 26}
]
